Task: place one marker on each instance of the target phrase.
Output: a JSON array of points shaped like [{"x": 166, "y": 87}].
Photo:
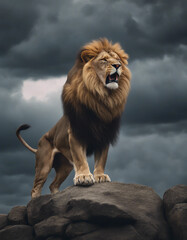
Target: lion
[{"x": 93, "y": 98}]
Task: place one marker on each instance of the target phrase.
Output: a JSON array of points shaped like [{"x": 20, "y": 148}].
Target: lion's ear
[
  {"x": 121, "y": 53},
  {"x": 86, "y": 55},
  {"x": 125, "y": 58}
]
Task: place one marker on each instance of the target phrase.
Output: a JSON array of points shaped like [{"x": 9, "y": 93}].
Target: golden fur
[
  {"x": 83, "y": 83},
  {"x": 93, "y": 98}
]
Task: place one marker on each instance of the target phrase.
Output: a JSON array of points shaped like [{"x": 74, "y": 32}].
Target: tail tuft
[{"x": 22, "y": 127}]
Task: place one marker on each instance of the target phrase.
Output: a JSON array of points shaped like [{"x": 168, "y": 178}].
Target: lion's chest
[{"x": 90, "y": 130}]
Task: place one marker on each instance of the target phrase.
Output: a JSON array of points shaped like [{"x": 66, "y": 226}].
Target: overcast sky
[{"x": 39, "y": 41}]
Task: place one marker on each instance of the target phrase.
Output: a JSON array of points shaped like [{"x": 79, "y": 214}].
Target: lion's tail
[{"x": 24, "y": 127}]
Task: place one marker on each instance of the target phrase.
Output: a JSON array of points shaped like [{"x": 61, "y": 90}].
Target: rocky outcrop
[
  {"x": 18, "y": 215},
  {"x": 3, "y": 221},
  {"x": 175, "y": 203},
  {"x": 101, "y": 211}
]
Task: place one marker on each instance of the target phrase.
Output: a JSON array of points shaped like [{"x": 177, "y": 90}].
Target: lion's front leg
[
  {"x": 100, "y": 161},
  {"x": 82, "y": 171}
]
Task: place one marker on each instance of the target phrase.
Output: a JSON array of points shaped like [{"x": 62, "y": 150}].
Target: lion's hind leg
[
  {"x": 63, "y": 168},
  {"x": 44, "y": 162}
]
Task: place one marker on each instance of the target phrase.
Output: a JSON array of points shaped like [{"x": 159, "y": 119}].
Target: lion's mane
[{"x": 93, "y": 110}]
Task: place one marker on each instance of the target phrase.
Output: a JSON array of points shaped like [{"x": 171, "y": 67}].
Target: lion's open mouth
[
  {"x": 112, "y": 81},
  {"x": 112, "y": 78}
]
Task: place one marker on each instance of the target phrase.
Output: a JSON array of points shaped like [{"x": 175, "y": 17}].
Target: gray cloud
[
  {"x": 158, "y": 93},
  {"x": 166, "y": 129},
  {"x": 50, "y": 35},
  {"x": 17, "y": 21}
]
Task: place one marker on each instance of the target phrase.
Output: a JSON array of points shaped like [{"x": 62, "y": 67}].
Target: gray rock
[
  {"x": 113, "y": 233},
  {"x": 18, "y": 215},
  {"x": 178, "y": 221},
  {"x": 175, "y": 195},
  {"x": 17, "y": 232},
  {"x": 53, "y": 226},
  {"x": 106, "y": 204},
  {"x": 80, "y": 228},
  {"x": 54, "y": 238},
  {"x": 175, "y": 204},
  {"x": 39, "y": 209},
  {"x": 3, "y": 220}
]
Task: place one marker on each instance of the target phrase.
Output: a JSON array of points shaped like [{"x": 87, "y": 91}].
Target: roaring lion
[{"x": 93, "y": 97}]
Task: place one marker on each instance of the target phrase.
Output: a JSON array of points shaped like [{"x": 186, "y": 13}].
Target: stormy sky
[{"x": 39, "y": 41}]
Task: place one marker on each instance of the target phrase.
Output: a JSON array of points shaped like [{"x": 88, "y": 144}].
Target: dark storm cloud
[
  {"x": 158, "y": 92},
  {"x": 17, "y": 21},
  {"x": 16, "y": 176},
  {"x": 158, "y": 29},
  {"x": 47, "y": 45},
  {"x": 165, "y": 129},
  {"x": 17, "y": 163}
]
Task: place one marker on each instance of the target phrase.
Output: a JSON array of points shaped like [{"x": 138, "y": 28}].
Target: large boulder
[
  {"x": 3, "y": 221},
  {"x": 102, "y": 211},
  {"x": 18, "y": 215},
  {"x": 17, "y": 232},
  {"x": 175, "y": 204},
  {"x": 52, "y": 226}
]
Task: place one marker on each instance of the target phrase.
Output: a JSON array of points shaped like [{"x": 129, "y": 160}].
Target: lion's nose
[{"x": 116, "y": 65}]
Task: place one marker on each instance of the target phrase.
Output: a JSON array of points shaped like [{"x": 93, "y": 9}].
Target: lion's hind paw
[{"x": 84, "y": 179}]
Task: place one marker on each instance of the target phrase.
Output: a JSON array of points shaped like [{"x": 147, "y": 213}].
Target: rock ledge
[{"x": 102, "y": 211}]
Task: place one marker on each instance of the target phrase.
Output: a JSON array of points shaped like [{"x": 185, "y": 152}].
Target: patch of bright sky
[{"x": 41, "y": 90}]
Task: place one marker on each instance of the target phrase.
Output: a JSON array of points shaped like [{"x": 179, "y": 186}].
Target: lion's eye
[{"x": 103, "y": 60}]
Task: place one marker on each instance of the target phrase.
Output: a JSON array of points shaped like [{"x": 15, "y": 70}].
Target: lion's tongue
[{"x": 112, "y": 77}]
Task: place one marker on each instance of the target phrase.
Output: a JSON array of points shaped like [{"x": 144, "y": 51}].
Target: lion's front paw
[
  {"x": 84, "y": 179},
  {"x": 101, "y": 178}
]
